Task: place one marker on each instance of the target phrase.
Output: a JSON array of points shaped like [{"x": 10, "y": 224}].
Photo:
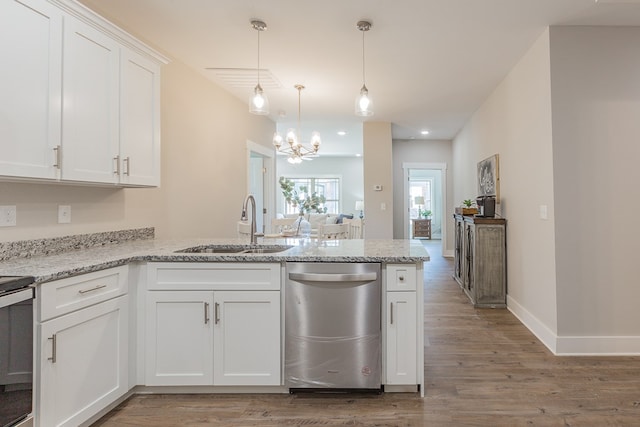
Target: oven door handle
[{"x": 16, "y": 297}]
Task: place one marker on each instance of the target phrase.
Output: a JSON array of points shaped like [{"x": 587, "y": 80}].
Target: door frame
[
  {"x": 442, "y": 167},
  {"x": 268, "y": 156}
]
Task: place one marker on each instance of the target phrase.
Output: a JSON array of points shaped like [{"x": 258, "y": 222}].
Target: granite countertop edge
[{"x": 47, "y": 268}]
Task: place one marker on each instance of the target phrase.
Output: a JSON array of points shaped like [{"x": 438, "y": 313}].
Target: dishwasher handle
[{"x": 334, "y": 277}]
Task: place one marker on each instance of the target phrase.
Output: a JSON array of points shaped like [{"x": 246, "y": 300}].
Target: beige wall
[
  {"x": 515, "y": 122},
  {"x": 204, "y": 134},
  {"x": 596, "y": 109},
  {"x": 378, "y": 170}
]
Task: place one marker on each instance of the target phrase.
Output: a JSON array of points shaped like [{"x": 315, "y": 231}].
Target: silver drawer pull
[
  {"x": 84, "y": 291},
  {"x": 53, "y": 348},
  {"x": 206, "y": 313},
  {"x": 391, "y": 309},
  {"x": 216, "y": 315}
]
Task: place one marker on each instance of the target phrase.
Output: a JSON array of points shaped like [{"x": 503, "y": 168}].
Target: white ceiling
[{"x": 429, "y": 63}]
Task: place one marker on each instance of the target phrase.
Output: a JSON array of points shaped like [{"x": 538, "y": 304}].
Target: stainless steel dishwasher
[{"x": 332, "y": 326}]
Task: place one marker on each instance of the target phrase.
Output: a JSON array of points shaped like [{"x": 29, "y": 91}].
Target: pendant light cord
[
  {"x": 363, "y": 80},
  {"x": 259, "y": 57}
]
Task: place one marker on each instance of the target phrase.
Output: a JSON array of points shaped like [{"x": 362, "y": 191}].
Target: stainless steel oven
[{"x": 16, "y": 351}]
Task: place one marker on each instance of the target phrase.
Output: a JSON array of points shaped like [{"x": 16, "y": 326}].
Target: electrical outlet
[
  {"x": 7, "y": 216},
  {"x": 64, "y": 214}
]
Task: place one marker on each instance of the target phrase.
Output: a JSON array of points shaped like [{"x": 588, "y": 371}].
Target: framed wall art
[{"x": 489, "y": 177}]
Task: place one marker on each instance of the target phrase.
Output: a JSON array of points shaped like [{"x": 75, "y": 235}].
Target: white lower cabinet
[
  {"x": 216, "y": 336},
  {"x": 83, "y": 362},
  {"x": 401, "y": 338},
  {"x": 401, "y": 325},
  {"x": 82, "y": 346},
  {"x": 179, "y": 344},
  {"x": 247, "y": 338}
]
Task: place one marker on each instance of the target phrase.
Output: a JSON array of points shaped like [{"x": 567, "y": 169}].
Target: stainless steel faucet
[{"x": 254, "y": 235}]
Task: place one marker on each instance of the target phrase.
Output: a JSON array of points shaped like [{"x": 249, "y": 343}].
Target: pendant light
[
  {"x": 258, "y": 102},
  {"x": 364, "y": 104}
]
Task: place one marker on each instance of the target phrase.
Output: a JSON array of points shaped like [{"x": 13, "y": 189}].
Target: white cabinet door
[
  {"x": 401, "y": 328},
  {"x": 247, "y": 338},
  {"x": 90, "y": 104},
  {"x": 83, "y": 363},
  {"x": 179, "y": 338},
  {"x": 139, "y": 120},
  {"x": 31, "y": 85}
]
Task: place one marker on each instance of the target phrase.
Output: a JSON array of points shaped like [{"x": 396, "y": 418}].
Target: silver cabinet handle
[
  {"x": 206, "y": 313},
  {"x": 116, "y": 169},
  {"x": 56, "y": 151},
  {"x": 216, "y": 309},
  {"x": 84, "y": 291},
  {"x": 391, "y": 310},
  {"x": 53, "y": 348},
  {"x": 334, "y": 277},
  {"x": 127, "y": 165}
]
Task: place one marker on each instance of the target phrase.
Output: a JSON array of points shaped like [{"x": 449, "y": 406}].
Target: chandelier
[
  {"x": 258, "y": 101},
  {"x": 294, "y": 148}
]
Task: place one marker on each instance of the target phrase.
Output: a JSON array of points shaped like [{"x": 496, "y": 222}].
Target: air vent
[
  {"x": 245, "y": 77},
  {"x": 618, "y": 1}
]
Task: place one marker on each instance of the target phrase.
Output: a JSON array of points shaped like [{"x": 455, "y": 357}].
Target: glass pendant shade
[
  {"x": 258, "y": 102},
  {"x": 364, "y": 104}
]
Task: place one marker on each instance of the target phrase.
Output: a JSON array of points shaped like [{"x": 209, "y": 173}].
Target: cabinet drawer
[
  {"x": 73, "y": 293},
  {"x": 401, "y": 277},
  {"x": 213, "y": 276}
]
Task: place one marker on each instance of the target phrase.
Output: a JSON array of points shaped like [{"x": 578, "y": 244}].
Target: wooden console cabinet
[
  {"x": 480, "y": 259},
  {"x": 421, "y": 228}
]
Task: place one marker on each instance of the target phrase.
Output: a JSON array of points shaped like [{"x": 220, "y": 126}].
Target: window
[{"x": 327, "y": 187}]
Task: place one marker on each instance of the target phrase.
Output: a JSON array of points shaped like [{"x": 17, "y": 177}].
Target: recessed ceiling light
[
  {"x": 425, "y": 132},
  {"x": 342, "y": 133},
  {"x": 358, "y": 155}
]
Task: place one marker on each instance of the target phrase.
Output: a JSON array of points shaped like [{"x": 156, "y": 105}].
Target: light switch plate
[
  {"x": 7, "y": 216},
  {"x": 543, "y": 212},
  {"x": 64, "y": 214}
]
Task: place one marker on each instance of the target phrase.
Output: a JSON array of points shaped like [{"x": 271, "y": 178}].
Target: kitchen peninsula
[{"x": 135, "y": 315}]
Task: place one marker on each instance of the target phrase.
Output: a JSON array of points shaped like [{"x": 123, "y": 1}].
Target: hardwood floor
[{"x": 482, "y": 368}]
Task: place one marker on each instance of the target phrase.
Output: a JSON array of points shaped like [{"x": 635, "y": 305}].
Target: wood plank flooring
[{"x": 482, "y": 368}]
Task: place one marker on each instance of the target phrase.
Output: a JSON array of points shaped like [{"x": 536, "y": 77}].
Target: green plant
[
  {"x": 424, "y": 213},
  {"x": 468, "y": 203},
  {"x": 300, "y": 198}
]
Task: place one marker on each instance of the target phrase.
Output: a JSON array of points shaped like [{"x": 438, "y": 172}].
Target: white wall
[
  {"x": 416, "y": 151},
  {"x": 515, "y": 122},
  {"x": 596, "y": 126},
  {"x": 349, "y": 169},
  {"x": 204, "y": 134}
]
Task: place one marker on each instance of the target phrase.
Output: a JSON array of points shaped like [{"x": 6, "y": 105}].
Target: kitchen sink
[{"x": 226, "y": 249}]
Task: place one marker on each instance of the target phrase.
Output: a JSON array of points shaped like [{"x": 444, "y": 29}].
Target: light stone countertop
[{"x": 70, "y": 263}]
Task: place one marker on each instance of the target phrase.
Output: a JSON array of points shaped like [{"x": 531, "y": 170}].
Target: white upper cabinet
[
  {"x": 31, "y": 87},
  {"x": 139, "y": 120},
  {"x": 80, "y": 100},
  {"x": 90, "y": 105}
]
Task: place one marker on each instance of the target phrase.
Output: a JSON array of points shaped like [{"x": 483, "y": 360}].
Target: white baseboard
[
  {"x": 599, "y": 346},
  {"x": 448, "y": 253},
  {"x": 539, "y": 329},
  {"x": 575, "y": 345}
]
